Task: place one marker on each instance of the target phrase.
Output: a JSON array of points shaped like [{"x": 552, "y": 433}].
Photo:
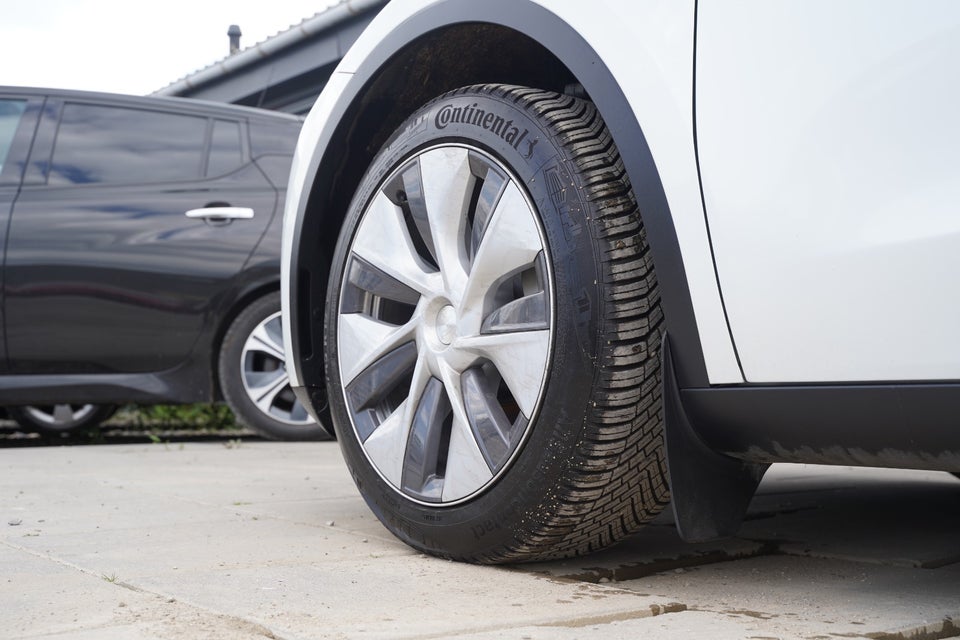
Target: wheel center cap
[{"x": 446, "y": 324}]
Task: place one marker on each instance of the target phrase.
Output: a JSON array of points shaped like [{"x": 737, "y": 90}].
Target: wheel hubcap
[
  {"x": 444, "y": 327},
  {"x": 264, "y": 374},
  {"x": 59, "y": 415},
  {"x": 447, "y": 324}
]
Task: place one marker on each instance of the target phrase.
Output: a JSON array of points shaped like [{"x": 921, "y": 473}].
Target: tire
[
  {"x": 494, "y": 372},
  {"x": 60, "y": 418},
  {"x": 253, "y": 376}
]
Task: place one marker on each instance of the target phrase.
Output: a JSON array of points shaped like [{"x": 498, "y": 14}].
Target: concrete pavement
[{"x": 271, "y": 540}]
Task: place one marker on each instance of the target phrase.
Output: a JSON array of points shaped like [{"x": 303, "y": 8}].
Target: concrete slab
[
  {"x": 792, "y": 597},
  {"x": 271, "y": 540},
  {"x": 405, "y": 597},
  {"x": 44, "y": 597}
]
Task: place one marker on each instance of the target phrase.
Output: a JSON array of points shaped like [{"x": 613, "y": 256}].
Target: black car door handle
[{"x": 221, "y": 213}]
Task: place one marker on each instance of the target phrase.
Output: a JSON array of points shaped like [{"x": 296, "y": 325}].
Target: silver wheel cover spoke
[
  {"x": 60, "y": 414},
  {"x": 446, "y": 177},
  {"x": 384, "y": 241},
  {"x": 264, "y": 375},
  {"x": 445, "y": 324}
]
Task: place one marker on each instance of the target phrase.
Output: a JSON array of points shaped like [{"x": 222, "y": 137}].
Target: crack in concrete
[
  {"x": 634, "y": 571},
  {"x": 586, "y": 621},
  {"x": 937, "y": 564},
  {"x": 568, "y": 623},
  {"x": 934, "y": 631},
  {"x": 236, "y": 621},
  {"x": 609, "y": 576}
]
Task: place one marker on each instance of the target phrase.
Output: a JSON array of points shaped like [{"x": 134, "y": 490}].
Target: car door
[
  {"x": 827, "y": 137},
  {"x": 18, "y": 118},
  {"x": 105, "y": 272}
]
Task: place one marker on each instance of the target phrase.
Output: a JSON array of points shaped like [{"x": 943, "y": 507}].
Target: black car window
[
  {"x": 226, "y": 150},
  {"x": 117, "y": 145},
  {"x": 10, "y": 113},
  {"x": 269, "y": 138}
]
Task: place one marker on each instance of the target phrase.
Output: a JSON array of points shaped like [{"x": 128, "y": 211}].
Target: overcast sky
[{"x": 124, "y": 46}]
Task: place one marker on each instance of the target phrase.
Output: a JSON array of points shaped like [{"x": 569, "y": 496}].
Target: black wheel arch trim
[
  {"x": 720, "y": 440},
  {"x": 901, "y": 425},
  {"x": 710, "y": 492},
  {"x": 569, "y": 47}
]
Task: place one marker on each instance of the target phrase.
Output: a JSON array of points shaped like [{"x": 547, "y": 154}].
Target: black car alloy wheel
[
  {"x": 60, "y": 418},
  {"x": 253, "y": 375},
  {"x": 492, "y": 338}
]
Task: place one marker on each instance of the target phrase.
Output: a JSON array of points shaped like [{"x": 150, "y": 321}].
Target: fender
[{"x": 361, "y": 93}]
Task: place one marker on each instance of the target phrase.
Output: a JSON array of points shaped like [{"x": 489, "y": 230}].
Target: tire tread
[{"x": 616, "y": 480}]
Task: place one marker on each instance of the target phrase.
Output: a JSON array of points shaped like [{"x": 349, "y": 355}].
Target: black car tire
[
  {"x": 586, "y": 467},
  {"x": 60, "y": 418},
  {"x": 252, "y": 367}
]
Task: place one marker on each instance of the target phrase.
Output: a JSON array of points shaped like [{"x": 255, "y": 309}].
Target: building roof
[{"x": 318, "y": 41}]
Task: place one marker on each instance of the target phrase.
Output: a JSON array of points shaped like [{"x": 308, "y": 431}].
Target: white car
[{"x": 549, "y": 263}]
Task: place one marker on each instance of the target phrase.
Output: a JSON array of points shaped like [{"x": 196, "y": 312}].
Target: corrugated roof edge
[{"x": 251, "y": 55}]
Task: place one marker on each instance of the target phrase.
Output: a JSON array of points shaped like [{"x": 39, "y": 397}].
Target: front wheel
[{"x": 493, "y": 334}]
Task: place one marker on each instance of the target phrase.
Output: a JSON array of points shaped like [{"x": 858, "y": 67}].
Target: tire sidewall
[{"x": 486, "y": 523}]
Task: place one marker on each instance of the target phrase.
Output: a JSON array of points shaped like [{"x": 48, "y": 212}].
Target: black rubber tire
[
  {"x": 23, "y": 417},
  {"x": 592, "y": 470},
  {"x": 231, "y": 381}
]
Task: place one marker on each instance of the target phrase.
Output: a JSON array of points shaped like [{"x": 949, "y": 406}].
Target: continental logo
[{"x": 506, "y": 130}]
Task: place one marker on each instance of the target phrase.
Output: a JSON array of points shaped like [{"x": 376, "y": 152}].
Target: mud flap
[{"x": 711, "y": 491}]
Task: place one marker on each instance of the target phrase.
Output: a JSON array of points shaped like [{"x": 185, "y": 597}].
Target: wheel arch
[{"x": 504, "y": 41}]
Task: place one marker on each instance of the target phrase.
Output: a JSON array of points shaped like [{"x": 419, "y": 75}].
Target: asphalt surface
[{"x": 241, "y": 538}]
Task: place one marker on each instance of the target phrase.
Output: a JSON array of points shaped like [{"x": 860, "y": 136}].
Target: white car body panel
[
  {"x": 648, "y": 46},
  {"x": 832, "y": 186}
]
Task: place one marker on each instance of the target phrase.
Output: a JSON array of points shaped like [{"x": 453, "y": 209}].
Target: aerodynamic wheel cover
[{"x": 445, "y": 324}]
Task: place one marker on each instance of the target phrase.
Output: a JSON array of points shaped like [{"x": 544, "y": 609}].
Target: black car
[{"x": 141, "y": 258}]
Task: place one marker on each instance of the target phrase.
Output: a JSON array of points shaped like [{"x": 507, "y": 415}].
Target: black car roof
[{"x": 190, "y": 104}]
